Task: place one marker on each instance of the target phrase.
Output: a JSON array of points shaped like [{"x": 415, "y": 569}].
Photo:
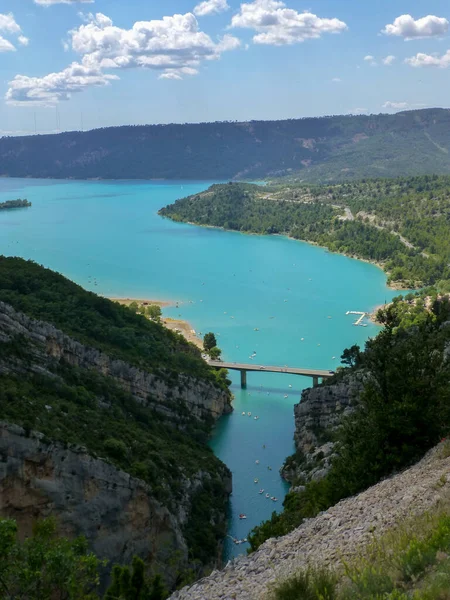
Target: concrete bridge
[{"x": 316, "y": 374}]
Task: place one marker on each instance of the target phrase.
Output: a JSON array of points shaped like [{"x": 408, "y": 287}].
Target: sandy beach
[{"x": 178, "y": 325}]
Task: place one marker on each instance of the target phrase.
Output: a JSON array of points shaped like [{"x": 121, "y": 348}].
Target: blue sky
[{"x": 113, "y": 62}]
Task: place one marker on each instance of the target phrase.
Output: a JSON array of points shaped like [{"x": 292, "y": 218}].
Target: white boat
[
  {"x": 261, "y": 491},
  {"x": 255, "y": 480},
  {"x": 243, "y": 414},
  {"x": 285, "y": 395},
  {"x": 257, "y": 462},
  {"x": 256, "y": 418},
  {"x": 249, "y": 414},
  {"x": 242, "y": 516},
  {"x": 267, "y": 495}
]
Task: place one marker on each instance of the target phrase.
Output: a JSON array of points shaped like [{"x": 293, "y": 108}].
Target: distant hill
[{"x": 313, "y": 149}]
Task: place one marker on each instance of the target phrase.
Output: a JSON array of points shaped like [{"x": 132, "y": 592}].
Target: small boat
[
  {"x": 302, "y": 339},
  {"x": 243, "y": 414},
  {"x": 257, "y": 462},
  {"x": 274, "y": 499},
  {"x": 261, "y": 491},
  {"x": 244, "y": 540},
  {"x": 249, "y": 414},
  {"x": 285, "y": 395},
  {"x": 267, "y": 495},
  {"x": 270, "y": 468},
  {"x": 290, "y": 385},
  {"x": 256, "y": 418},
  {"x": 256, "y": 329},
  {"x": 255, "y": 480},
  {"x": 242, "y": 516}
]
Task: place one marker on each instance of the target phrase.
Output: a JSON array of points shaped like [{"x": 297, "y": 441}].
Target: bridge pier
[
  {"x": 243, "y": 379},
  {"x": 315, "y": 381}
]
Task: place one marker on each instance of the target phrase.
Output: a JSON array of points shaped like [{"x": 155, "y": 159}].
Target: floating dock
[{"x": 359, "y": 320}]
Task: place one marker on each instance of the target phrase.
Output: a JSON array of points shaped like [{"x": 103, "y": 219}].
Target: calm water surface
[{"x": 108, "y": 237}]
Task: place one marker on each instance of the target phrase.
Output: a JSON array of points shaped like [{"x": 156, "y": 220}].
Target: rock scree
[{"x": 336, "y": 535}]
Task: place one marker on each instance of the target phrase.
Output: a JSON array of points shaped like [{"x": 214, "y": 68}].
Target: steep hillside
[
  {"x": 325, "y": 148},
  {"x": 344, "y": 535},
  {"x": 107, "y": 428}
]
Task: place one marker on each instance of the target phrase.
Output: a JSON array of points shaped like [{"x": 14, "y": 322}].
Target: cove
[{"x": 259, "y": 294}]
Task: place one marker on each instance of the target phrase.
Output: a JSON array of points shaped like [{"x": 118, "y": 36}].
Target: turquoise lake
[{"x": 107, "y": 237}]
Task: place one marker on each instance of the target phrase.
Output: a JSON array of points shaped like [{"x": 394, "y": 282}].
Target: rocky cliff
[
  {"x": 114, "y": 511},
  {"x": 153, "y": 515},
  {"x": 316, "y": 418},
  {"x": 48, "y": 346}
]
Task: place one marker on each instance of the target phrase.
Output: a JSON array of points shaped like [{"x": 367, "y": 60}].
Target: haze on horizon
[{"x": 84, "y": 64}]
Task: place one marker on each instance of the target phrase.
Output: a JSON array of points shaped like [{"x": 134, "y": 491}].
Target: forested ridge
[
  {"x": 322, "y": 149},
  {"x": 401, "y": 223}
]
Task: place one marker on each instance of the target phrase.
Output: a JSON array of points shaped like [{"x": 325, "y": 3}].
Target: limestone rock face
[
  {"x": 316, "y": 417},
  {"x": 114, "y": 511},
  {"x": 50, "y": 346}
]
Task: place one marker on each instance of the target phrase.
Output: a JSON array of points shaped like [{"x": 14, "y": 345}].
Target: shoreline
[
  {"x": 397, "y": 285},
  {"x": 180, "y": 326}
]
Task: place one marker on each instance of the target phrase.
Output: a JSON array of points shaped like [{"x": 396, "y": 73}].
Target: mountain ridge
[{"x": 315, "y": 149}]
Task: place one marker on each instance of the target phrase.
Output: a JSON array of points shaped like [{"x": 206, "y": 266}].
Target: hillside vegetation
[
  {"x": 161, "y": 443},
  {"x": 98, "y": 322},
  {"x": 314, "y": 149},
  {"x": 402, "y": 223}
]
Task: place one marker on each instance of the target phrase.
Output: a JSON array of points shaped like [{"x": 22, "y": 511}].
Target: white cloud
[
  {"x": 23, "y": 40},
  {"x": 170, "y": 45},
  {"x": 5, "y": 46},
  {"x": 174, "y": 46},
  {"x": 336, "y": 80},
  {"x": 388, "y": 60},
  {"x": 396, "y": 105},
  {"x": 358, "y": 111},
  {"x": 370, "y": 59},
  {"x": 429, "y": 60},
  {"x": 8, "y": 23},
  {"x": 48, "y": 90},
  {"x": 51, "y": 2},
  {"x": 408, "y": 28},
  {"x": 277, "y": 25},
  {"x": 209, "y": 7}
]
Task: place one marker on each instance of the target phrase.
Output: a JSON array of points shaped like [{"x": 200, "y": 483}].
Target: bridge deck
[{"x": 269, "y": 369}]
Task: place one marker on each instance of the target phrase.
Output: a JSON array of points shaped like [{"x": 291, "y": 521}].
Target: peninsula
[{"x": 398, "y": 224}]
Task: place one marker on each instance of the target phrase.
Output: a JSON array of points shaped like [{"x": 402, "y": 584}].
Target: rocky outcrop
[
  {"x": 88, "y": 496},
  {"x": 333, "y": 537},
  {"x": 316, "y": 418},
  {"x": 49, "y": 346}
]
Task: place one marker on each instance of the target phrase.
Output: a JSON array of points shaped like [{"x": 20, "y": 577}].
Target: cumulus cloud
[
  {"x": 370, "y": 59},
  {"x": 209, "y": 7},
  {"x": 429, "y": 60},
  {"x": 170, "y": 45},
  {"x": 396, "y": 105},
  {"x": 406, "y": 27},
  {"x": 51, "y": 2},
  {"x": 277, "y": 25},
  {"x": 174, "y": 46},
  {"x": 5, "y": 45},
  {"x": 8, "y": 24},
  {"x": 388, "y": 60},
  {"x": 48, "y": 90}
]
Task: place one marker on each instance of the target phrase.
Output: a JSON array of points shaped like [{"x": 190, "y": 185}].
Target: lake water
[{"x": 108, "y": 237}]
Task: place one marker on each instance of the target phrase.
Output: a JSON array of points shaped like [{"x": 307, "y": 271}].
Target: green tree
[
  {"x": 215, "y": 353},
  {"x": 45, "y": 567},
  {"x": 134, "y": 306},
  {"x": 351, "y": 356},
  {"x": 154, "y": 312},
  {"x": 209, "y": 341}
]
